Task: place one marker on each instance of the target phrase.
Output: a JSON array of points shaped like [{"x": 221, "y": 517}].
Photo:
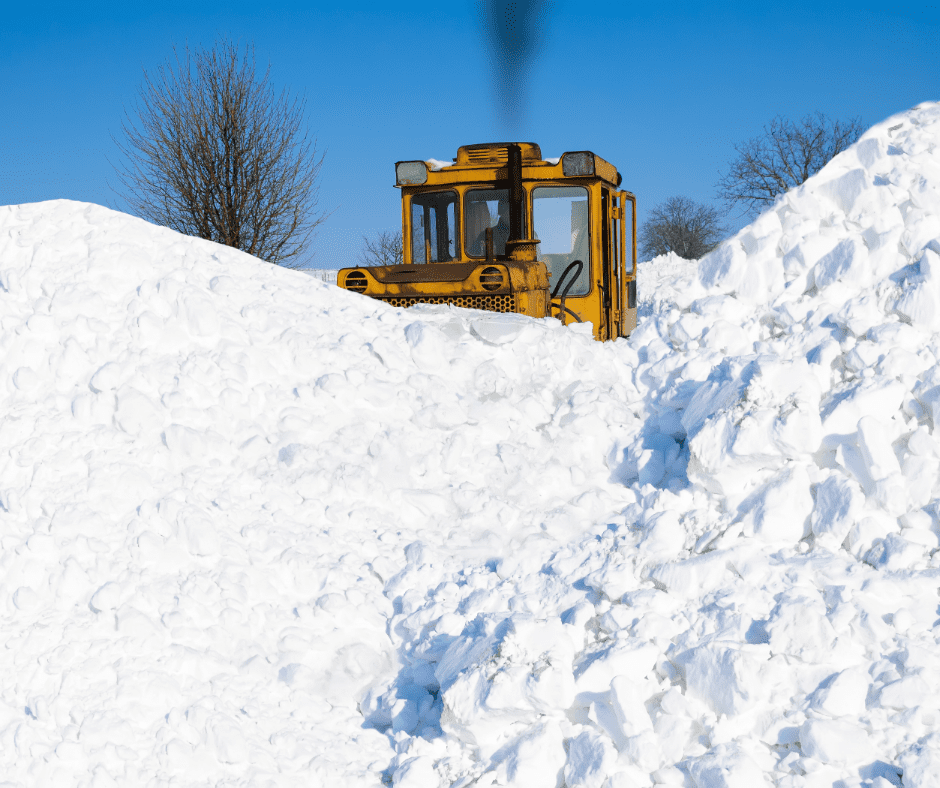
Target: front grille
[
  {"x": 355, "y": 281},
  {"x": 491, "y": 303},
  {"x": 491, "y": 278}
]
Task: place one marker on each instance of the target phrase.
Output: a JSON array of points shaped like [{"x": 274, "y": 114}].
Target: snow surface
[
  {"x": 323, "y": 274},
  {"x": 260, "y": 531}
]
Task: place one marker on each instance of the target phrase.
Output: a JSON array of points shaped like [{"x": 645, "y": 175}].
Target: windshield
[
  {"x": 434, "y": 227},
  {"x": 484, "y": 208},
  {"x": 560, "y": 221}
]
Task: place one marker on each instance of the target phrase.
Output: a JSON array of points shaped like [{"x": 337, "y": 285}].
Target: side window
[
  {"x": 560, "y": 220},
  {"x": 629, "y": 233},
  {"x": 613, "y": 229},
  {"x": 434, "y": 227}
]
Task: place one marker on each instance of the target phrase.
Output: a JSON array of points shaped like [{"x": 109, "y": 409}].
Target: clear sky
[{"x": 662, "y": 90}]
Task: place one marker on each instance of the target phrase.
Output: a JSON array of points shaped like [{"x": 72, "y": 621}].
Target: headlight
[
  {"x": 411, "y": 173},
  {"x": 580, "y": 163}
]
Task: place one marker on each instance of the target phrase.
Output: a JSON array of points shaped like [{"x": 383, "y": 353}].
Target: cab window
[
  {"x": 434, "y": 227},
  {"x": 484, "y": 208},
  {"x": 560, "y": 220}
]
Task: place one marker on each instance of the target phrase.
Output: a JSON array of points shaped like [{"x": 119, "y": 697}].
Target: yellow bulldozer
[{"x": 504, "y": 230}]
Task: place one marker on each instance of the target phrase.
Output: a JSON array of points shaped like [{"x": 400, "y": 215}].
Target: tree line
[{"x": 212, "y": 151}]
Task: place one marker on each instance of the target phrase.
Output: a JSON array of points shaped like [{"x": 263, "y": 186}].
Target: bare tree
[
  {"x": 784, "y": 156},
  {"x": 385, "y": 249},
  {"x": 683, "y": 226},
  {"x": 217, "y": 155}
]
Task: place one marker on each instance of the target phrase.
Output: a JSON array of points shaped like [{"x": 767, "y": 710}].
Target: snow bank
[
  {"x": 260, "y": 531},
  {"x": 323, "y": 274}
]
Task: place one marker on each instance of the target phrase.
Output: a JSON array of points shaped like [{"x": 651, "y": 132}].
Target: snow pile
[
  {"x": 260, "y": 531},
  {"x": 323, "y": 274}
]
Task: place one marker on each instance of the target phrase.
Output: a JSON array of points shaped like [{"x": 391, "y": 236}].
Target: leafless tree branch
[
  {"x": 215, "y": 154},
  {"x": 784, "y": 156},
  {"x": 683, "y": 226},
  {"x": 385, "y": 249}
]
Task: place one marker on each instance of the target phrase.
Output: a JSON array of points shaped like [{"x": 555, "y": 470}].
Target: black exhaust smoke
[{"x": 514, "y": 33}]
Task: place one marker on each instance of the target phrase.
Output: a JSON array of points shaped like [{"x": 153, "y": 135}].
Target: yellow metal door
[{"x": 621, "y": 233}]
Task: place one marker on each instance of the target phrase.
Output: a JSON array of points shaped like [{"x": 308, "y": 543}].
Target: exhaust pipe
[
  {"x": 516, "y": 195},
  {"x": 518, "y": 247}
]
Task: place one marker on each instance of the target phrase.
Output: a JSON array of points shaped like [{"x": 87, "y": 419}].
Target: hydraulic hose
[{"x": 564, "y": 293}]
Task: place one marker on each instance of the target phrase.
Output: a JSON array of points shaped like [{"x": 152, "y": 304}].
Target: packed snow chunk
[
  {"x": 416, "y": 773},
  {"x": 844, "y": 190},
  {"x": 847, "y": 262},
  {"x": 428, "y": 345},
  {"x": 836, "y": 742},
  {"x": 598, "y": 666},
  {"x": 230, "y": 744},
  {"x": 753, "y": 414},
  {"x": 137, "y": 412},
  {"x": 510, "y": 669},
  {"x": 842, "y": 410},
  {"x": 836, "y": 509},
  {"x": 879, "y": 457},
  {"x": 408, "y": 708},
  {"x": 656, "y": 458},
  {"x": 693, "y": 576},
  {"x": 730, "y": 269},
  {"x": 498, "y": 329},
  {"x": 921, "y": 763},
  {"x": 629, "y": 705},
  {"x": 907, "y": 693},
  {"x": 199, "y": 312},
  {"x": 724, "y": 676},
  {"x": 895, "y": 553},
  {"x": 722, "y": 266},
  {"x": 108, "y": 378},
  {"x": 843, "y": 695},
  {"x": 920, "y": 300},
  {"x": 27, "y": 600},
  {"x": 27, "y": 381},
  {"x": 187, "y": 443},
  {"x": 536, "y": 757},
  {"x": 798, "y": 627},
  {"x": 780, "y": 511},
  {"x": 663, "y": 533},
  {"x": 747, "y": 265},
  {"x": 727, "y": 766},
  {"x": 106, "y": 598},
  {"x": 590, "y": 758},
  {"x": 198, "y": 532}
]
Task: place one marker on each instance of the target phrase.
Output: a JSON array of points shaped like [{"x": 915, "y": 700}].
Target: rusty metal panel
[
  {"x": 435, "y": 272},
  {"x": 492, "y": 152},
  {"x": 605, "y": 170},
  {"x": 497, "y": 286}
]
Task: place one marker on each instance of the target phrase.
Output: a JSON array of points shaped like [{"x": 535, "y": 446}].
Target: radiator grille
[{"x": 491, "y": 303}]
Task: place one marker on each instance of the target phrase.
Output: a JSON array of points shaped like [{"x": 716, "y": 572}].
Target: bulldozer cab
[{"x": 504, "y": 230}]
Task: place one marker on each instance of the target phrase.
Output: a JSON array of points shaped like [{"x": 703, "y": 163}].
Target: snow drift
[{"x": 256, "y": 530}]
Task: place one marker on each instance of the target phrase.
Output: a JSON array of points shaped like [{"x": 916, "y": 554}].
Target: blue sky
[{"x": 662, "y": 90}]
